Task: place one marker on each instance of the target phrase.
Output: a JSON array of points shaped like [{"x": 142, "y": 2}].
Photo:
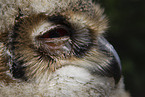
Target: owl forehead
[
  {"x": 81, "y": 12},
  {"x": 54, "y": 6},
  {"x": 78, "y": 12}
]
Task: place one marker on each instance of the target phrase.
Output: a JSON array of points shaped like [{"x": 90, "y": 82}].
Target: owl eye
[{"x": 56, "y": 33}]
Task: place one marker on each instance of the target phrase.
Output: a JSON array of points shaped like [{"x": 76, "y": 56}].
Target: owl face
[{"x": 41, "y": 38}]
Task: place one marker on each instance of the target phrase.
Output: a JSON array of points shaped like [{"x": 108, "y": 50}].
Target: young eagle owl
[{"x": 55, "y": 48}]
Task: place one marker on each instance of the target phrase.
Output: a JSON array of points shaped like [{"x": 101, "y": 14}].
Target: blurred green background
[{"x": 127, "y": 35}]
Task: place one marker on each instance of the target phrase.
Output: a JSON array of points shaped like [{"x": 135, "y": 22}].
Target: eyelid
[
  {"x": 49, "y": 29},
  {"x": 61, "y": 30},
  {"x": 52, "y": 28},
  {"x": 43, "y": 27}
]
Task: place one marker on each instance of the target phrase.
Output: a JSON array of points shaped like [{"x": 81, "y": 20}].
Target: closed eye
[{"x": 56, "y": 33}]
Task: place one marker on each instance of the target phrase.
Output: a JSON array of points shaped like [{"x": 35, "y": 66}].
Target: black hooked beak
[{"x": 113, "y": 69}]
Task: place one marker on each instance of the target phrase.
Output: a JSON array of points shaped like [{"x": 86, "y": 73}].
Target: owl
[{"x": 56, "y": 48}]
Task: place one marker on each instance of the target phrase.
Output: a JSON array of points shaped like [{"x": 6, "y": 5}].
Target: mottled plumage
[{"x": 56, "y": 48}]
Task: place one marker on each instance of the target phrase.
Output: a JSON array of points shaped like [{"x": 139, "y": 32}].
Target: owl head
[{"x": 42, "y": 36}]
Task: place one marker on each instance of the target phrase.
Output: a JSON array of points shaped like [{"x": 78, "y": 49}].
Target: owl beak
[
  {"x": 115, "y": 64},
  {"x": 104, "y": 45}
]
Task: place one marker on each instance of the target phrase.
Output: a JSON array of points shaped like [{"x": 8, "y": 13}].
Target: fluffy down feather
[{"x": 35, "y": 62}]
